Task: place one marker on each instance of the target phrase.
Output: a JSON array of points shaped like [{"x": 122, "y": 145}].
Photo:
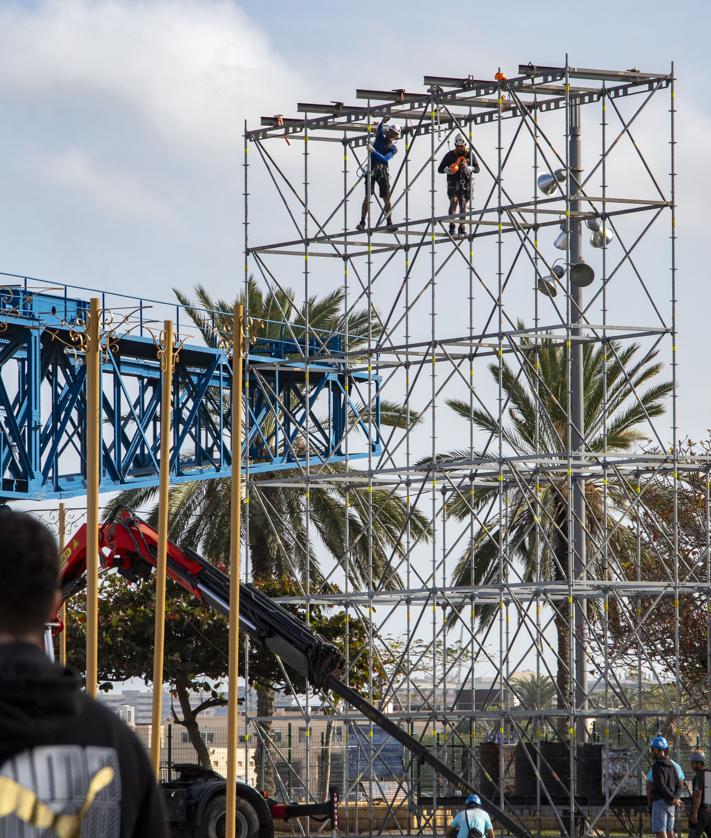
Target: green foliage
[
  {"x": 533, "y": 692},
  {"x": 195, "y": 637},
  {"x": 270, "y": 310}
]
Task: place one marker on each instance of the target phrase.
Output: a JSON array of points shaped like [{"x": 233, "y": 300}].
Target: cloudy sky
[{"x": 121, "y": 120}]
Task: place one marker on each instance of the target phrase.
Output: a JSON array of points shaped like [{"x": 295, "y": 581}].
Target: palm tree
[
  {"x": 534, "y": 692},
  {"x": 285, "y": 529},
  {"x": 534, "y": 527}
]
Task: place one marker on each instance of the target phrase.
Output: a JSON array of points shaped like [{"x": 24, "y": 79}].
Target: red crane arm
[{"x": 129, "y": 546}]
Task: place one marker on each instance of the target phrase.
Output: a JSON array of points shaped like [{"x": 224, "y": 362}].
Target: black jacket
[
  {"x": 666, "y": 784},
  {"x": 69, "y": 752},
  {"x": 451, "y": 157}
]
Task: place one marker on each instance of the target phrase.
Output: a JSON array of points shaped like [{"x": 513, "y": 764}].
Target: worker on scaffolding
[
  {"x": 700, "y": 816},
  {"x": 664, "y": 788},
  {"x": 382, "y": 150},
  {"x": 472, "y": 821},
  {"x": 459, "y": 164}
]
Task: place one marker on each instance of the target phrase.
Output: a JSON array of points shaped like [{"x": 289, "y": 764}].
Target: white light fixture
[
  {"x": 561, "y": 240},
  {"x": 548, "y": 183},
  {"x": 601, "y": 238},
  {"x": 547, "y": 284}
]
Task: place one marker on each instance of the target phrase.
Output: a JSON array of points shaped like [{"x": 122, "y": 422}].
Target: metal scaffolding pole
[
  {"x": 62, "y": 532},
  {"x": 93, "y": 455},
  {"x": 577, "y": 386},
  {"x": 235, "y": 554},
  {"x": 165, "y": 351}
]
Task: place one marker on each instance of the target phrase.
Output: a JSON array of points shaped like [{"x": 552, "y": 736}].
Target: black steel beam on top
[
  {"x": 579, "y": 97},
  {"x": 559, "y": 89},
  {"x": 400, "y": 96},
  {"x": 597, "y": 75},
  {"x": 281, "y": 121},
  {"x": 462, "y": 82},
  {"x": 283, "y": 126},
  {"x": 334, "y": 108},
  {"x": 509, "y": 110}
]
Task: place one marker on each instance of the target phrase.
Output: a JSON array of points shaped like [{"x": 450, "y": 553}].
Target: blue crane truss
[{"x": 302, "y": 402}]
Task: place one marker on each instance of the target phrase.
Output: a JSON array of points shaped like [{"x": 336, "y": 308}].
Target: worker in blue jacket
[{"x": 382, "y": 150}]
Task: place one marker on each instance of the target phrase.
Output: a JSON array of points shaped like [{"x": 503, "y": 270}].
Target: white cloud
[
  {"x": 116, "y": 192},
  {"x": 189, "y": 69},
  {"x": 123, "y": 120}
]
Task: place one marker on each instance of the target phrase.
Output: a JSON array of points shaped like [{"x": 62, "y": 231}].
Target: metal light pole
[{"x": 578, "y": 416}]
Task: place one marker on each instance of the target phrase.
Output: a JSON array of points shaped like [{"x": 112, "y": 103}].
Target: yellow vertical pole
[
  {"x": 62, "y": 526},
  {"x": 235, "y": 533},
  {"x": 93, "y": 443},
  {"x": 161, "y": 563}
]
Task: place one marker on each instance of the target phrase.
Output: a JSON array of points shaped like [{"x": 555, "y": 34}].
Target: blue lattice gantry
[{"x": 302, "y": 403}]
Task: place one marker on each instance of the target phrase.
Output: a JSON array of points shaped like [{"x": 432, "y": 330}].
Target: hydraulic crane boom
[{"x": 130, "y": 545}]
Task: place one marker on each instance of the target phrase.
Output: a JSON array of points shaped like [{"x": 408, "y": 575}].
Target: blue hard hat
[
  {"x": 660, "y": 743},
  {"x": 473, "y": 799}
]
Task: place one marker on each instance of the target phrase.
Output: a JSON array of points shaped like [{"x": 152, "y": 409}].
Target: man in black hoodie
[
  {"x": 68, "y": 765},
  {"x": 664, "y": 790}
]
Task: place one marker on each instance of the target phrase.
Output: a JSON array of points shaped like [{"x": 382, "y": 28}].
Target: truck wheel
[{"x": 212, "y": 824}]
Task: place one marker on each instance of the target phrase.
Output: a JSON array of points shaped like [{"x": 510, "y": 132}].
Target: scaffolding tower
[{"x": 531, "y": 364}]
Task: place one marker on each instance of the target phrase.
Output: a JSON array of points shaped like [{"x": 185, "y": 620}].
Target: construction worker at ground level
[
  {"x": 472, "y": 822},
  {"x": 700, "y": 816},
  {"x": 663, "y": 789},
  {"x": 381, "y": 152},
  {"x": 459, "y": 164},
  {"x": 679, "y": 770}
]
